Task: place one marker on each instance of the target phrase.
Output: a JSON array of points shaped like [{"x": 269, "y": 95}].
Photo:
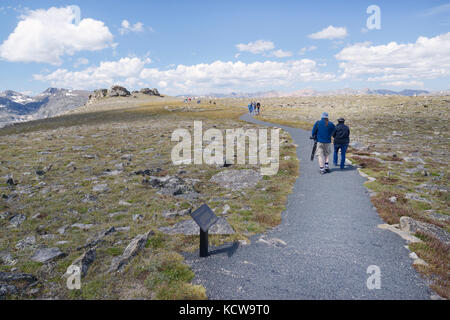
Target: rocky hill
[{"x": 18, "y": 107}]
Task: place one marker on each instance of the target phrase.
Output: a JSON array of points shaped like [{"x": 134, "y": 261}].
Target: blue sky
[{"x": 222, "y": 46}]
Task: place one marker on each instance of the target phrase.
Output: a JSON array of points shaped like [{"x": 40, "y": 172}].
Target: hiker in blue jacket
[
  {"x": 341, "y": 137},
  {"x": 250, "y": 108},
  {"x": 322, "y": 131}
]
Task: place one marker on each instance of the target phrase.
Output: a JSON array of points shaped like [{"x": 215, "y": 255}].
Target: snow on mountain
[{"x": 18, "y": 107}]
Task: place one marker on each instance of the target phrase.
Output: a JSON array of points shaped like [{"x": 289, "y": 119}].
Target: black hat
[{"x": 341, "y": 119}]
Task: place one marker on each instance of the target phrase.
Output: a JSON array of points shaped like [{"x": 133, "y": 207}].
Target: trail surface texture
[{"x": 329, "y": 238}]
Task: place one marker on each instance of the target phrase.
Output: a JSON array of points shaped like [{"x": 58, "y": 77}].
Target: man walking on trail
[
  {"x": 322, "y": 131},
  {"x": 341, "y": 137}
]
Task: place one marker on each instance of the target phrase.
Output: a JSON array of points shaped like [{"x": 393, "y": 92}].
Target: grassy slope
[{"x": 144, "y": 132}]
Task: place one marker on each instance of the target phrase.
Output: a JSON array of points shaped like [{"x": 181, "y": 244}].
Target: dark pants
[{"x": 343, "y": 148}]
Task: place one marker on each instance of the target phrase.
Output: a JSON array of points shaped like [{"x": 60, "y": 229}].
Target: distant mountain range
[
  {"x": 18, "y": 107},
  {"x": 314, "y": 93}
]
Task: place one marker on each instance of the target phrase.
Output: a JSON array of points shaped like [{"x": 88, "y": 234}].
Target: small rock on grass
[
  {"x": 6, "y": 258},
  {"x": 82, "y": 226},
  {"x": 17, "y": 220},
  {"x": 47, "y": 254},
  {"x": 100, "y": 187},
  {"x": 133, "y": 248}
]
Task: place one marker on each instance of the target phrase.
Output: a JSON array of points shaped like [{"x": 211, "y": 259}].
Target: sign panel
[{"x": 204, "y": 217}]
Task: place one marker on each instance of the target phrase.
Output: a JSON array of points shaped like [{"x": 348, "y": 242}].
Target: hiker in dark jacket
[{"x": 341, "y": 135}]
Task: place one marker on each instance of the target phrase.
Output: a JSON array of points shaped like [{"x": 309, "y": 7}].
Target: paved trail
[{"x": 330, "y": 228}]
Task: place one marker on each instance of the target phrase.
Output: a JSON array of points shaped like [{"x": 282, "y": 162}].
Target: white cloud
[
  {"x": 80, "y": 61},
  {"x": 427, "y": 58},
  {"x": 127, "y": 27},
  {"x": 306, "y": 49},
  {"x": 218, "y": 76},
  {"x": 106, "y": 74},
  {"x": 330, "y": 33},
  {"x": 47, "y": 35},
  {"x": 256, "y": 47},
  {"x": 280, "y": 54}
]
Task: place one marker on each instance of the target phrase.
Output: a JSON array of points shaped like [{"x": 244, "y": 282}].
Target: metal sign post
[{"x": 205, "y": 218}]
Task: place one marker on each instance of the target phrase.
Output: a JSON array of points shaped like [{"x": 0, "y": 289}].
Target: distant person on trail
[
  {"x": 341, "y": 135},
  {"x": 322, "y": 132},
  {"x": 250, "y": 108},
  {"x": 258, "y": 105}
]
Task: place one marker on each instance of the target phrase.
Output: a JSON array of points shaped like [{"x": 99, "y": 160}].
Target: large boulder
[
  {"x": 118, "y": 91},
  {"x": 151, "y": 92},
  {"x": 410, "y": 225}
]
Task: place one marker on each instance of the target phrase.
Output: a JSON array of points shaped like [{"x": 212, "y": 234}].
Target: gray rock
[
  {"x": 17, "y": 220},
  {"x": 127, "y": 157},
  {"x": 226, "y": 208},
  {"x": 151, "y": 92},
  {"x": 98, "y": 94},
  {"x": 237, "y": 179},
  {"x": 85, "y": 261},
  {"x": 100, "y": 187},
  {"x": 118, "y": 91},
  {"x": 410, "y": 225},
  {"x": 6, "y": 258},
  {"x": 82, "y": 226},
  {"x": 174, "y": 214},
  {"x": 7, "y": 289},
  {"x": 121, "y": 229},
  {"x": 89, "y": 198},
  {"x": 135, "y": 246},
  {"x": 92, "y": 242},
  {"x": 62, "y": 230},
  {"x": 27, "y": 242},
  {"x": 5, "y": 215},
  {"x": 137, "y": 217},
  {"x": 357, "y": 146},
  {"x": 414, "y": 159},
  {"x": 172, "y": 185},
  {"x": 190, "y": 227},
  {"x": 416, "y": 197},
  {"x": 124, "y": 203},
  {"x": 440, "y": 217},
  {"x": 11, "y": 277},
  {"x": 47, "y": 254}
]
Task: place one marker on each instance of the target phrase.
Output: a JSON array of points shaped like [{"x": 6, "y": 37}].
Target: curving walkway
[{"x": 331, "y": 236}]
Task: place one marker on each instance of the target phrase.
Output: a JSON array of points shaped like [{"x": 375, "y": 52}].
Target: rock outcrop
[
  {"x": 151, "y": 92},
  {"x": 118, "y": 91}
]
